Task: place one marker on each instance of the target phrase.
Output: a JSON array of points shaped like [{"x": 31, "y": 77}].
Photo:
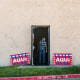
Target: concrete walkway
[{"x": 41, "y": 66}]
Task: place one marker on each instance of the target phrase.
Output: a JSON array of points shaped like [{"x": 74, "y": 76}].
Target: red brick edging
[{"x": 43, "y": 77}]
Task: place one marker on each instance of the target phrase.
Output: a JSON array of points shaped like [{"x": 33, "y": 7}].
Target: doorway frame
[{"x": 48, "y": 26}]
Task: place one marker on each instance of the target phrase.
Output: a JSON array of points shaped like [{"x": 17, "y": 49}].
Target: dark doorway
[{"x": 38, "y": 32}]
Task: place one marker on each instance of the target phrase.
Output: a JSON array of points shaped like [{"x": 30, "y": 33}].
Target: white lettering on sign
[
  {"x": 14, "y": 60},
  {"x": 19, "y": 60},
  {"x": 62, "y": 60}
]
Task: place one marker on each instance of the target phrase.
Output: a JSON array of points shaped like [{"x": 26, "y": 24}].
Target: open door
[{"x": 38, "y": 32}]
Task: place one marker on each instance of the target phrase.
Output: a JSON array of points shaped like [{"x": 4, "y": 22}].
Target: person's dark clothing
[
  {"x": 42, "y": 44},
  {"x": 42, "y": 47}
]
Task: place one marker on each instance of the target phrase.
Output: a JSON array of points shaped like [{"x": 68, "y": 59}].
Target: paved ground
[
  {"x": 38, "y": 66},
  {"x": 66, "y": 79}
]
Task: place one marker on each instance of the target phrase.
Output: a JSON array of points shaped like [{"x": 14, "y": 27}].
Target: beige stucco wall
[{"x": 17, "y": 16}]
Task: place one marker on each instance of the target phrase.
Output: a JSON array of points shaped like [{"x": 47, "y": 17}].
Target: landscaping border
[{"x": 43, "y": 77}]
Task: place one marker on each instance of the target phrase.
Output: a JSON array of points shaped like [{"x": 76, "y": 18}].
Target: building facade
[{"x": 18, "y": 16}]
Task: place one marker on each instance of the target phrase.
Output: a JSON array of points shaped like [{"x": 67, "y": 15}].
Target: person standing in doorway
[{"x": 42, "y": 49}]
